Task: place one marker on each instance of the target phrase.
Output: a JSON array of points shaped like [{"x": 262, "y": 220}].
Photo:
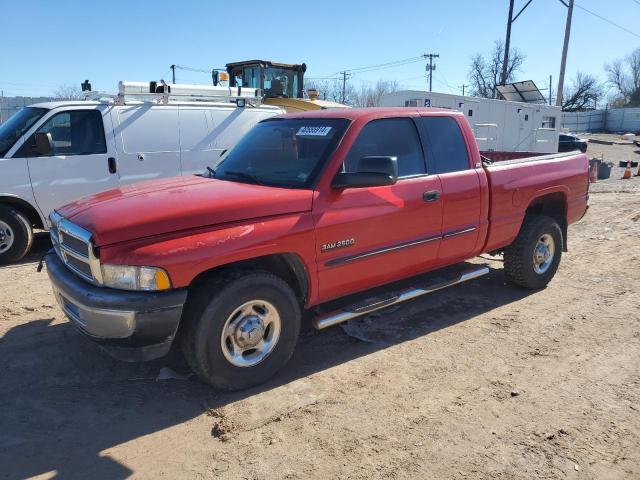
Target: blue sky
[{"x": 50, "y": 44}]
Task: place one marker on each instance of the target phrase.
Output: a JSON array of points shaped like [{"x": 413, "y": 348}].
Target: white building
[{"x": 498, "y": 125}]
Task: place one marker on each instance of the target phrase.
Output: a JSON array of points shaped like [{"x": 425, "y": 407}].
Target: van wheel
[
  {"x": 533, "y": 258},
  {"x": 240, "y": 328},
  {"x": 16, "y": 235}
]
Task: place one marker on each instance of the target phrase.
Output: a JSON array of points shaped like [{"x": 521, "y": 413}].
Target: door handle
[
  {"x": 431, "y": 196},
  {"x": 113, "y": 167}
]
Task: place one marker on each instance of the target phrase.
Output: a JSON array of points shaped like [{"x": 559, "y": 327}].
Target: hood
[{"x": 162, "y": 206}]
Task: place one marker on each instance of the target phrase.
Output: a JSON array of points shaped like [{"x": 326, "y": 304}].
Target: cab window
[
  {"x": 394, "y": 137},
  {"x": 75, "y": 132}
]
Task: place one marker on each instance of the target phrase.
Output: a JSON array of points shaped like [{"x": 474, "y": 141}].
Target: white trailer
[{"x": 498, "y": 125}]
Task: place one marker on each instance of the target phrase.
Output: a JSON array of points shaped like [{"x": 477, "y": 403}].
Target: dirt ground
[{"x": 481, "y": 381}]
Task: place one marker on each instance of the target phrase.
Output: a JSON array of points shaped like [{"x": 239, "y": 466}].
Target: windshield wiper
[{"x": 245, "y": 175}]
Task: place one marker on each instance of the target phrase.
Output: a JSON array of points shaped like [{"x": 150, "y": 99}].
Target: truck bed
[{"x": 515, "y": 182}]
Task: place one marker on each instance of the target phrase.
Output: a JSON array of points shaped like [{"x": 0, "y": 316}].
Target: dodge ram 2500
[{"x": 305, "y": 209}]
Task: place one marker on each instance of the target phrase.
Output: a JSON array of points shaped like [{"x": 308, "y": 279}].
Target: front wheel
[
  {"x": 16, "y": 235},
  {"x": 533, "y": 258},
  {"x": 240, "y": 329}
]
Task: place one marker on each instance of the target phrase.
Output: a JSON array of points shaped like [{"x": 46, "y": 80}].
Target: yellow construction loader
[{"x": 282, "y": 84}]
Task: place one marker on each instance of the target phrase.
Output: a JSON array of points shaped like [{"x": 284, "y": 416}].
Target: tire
[
  {"x": 16, "y": 235},
  {"x": 521, "y": 265},
  {"x": 235, "y": 299}
]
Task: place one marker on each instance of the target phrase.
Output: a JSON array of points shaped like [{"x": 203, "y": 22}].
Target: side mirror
[
  {"x": 43, "y": 144},
  {"x": 372, "y": 172}
]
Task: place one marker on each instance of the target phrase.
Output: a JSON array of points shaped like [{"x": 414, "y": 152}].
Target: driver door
[
  {"x": 82, "y": 161},
  {"x": 371, "y": 236}
]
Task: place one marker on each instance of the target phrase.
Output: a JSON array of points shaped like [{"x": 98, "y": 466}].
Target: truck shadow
[{"x": 64, "y": 402}]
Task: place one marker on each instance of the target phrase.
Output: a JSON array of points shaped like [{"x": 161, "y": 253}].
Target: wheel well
[
  {"x": 553, "y": 205},
  {"x": 25, "y": 208},
  {"x": 288, "y": 266}
]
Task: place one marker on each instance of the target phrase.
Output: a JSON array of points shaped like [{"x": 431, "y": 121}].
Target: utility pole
[
  {"x": 463, "y": 85},
  {"x": 431, "y": 67},
  {"x": 565, "y": 48},
  {"x": 550, "y": 92},
  {"x": 173, "y": 71},
  {"x": 507, "y": 42},
  {"x": 345, "y": 75}
]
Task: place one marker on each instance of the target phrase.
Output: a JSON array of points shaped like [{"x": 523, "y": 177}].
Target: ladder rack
[{"x": 164, "y": 93}]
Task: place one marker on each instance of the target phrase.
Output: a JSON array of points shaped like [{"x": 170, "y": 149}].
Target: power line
[
  {"x": 382, "y": 66},
  {"x": 373, "y": 68},
  {"x": 607, "y": 20}
]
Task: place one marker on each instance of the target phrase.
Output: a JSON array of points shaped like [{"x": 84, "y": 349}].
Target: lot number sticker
[{"x": 313, "y": 131}]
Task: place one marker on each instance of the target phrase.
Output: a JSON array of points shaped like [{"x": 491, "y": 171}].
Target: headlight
[{"x": 126, "y": 277}]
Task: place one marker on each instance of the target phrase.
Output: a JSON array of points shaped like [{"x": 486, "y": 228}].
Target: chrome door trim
[{"x": 352, "y": 258}]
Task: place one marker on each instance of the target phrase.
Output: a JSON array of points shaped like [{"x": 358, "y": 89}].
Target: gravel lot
[{"x": 476, "y": 382}]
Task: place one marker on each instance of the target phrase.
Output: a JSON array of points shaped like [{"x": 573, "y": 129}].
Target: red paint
[{"x": 191, "y": 225}]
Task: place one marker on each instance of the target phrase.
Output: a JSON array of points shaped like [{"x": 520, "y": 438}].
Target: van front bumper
[{"x": 131, "y": 326}]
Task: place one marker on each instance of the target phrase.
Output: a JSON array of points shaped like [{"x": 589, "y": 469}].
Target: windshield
[
  {"x": 17, "y": 125},
  {"x": 282, "y": 152},
  {"x": 278, "y": 82}
]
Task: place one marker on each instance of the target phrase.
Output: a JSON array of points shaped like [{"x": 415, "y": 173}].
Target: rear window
[{"x": 445, "y": 146}]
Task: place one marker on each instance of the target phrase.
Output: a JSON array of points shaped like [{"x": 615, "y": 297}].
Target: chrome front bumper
[{"x": 131, "y": 326}]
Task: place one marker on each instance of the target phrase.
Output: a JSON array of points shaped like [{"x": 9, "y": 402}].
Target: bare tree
[
  {"x": 331, "y": 90},
  {"x": 68, "y": 92},
  {"x": 365, "y": 96},
  {"x": 582, "y": 93},
  {"x": 485, "y": 73},
  {"x": 368, "y": 96},
  {"x": 624, "y": 76}
]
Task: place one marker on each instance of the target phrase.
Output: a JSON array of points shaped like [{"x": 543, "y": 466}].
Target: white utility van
[{"x": 53, "y": 153}]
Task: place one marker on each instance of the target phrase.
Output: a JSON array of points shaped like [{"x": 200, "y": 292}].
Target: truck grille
[{"x": 73, "y": 245}]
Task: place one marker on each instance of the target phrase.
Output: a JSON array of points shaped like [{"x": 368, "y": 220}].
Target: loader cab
[{"x": 275, "y": 80}]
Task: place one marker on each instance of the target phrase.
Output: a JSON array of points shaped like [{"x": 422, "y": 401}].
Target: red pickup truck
[{"x": 305, "y": 209}]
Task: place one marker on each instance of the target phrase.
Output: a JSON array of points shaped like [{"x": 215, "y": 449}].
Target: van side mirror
[
  {"x": 373, "y": 171},
  {"x": 43, "y": 144}
]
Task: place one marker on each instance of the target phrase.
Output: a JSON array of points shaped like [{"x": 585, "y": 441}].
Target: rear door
[
  {"x": 526, "y": 131},
  {"x": 80, "y": 162},
  {"x": 205, "y": 133},
  {"x": 370, "y": 236},
  {"x": 448, "y": 157},
  {"x": 197, "y": 131},
  {"x": 147, "y": 138}
]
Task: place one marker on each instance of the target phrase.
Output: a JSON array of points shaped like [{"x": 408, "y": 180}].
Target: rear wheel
[
  {"x": 16, "y": 235},
  {"x": 240, "y": 328},
  {"x": 532, "y": 260}
]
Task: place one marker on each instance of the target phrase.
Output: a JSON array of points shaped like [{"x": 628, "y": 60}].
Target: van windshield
[
  {"x": 17, "y": 125},
  {"x": 282, "y": 152}
]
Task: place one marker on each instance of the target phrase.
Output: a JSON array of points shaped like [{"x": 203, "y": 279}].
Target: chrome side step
[{"x": 356, "y": 310}]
